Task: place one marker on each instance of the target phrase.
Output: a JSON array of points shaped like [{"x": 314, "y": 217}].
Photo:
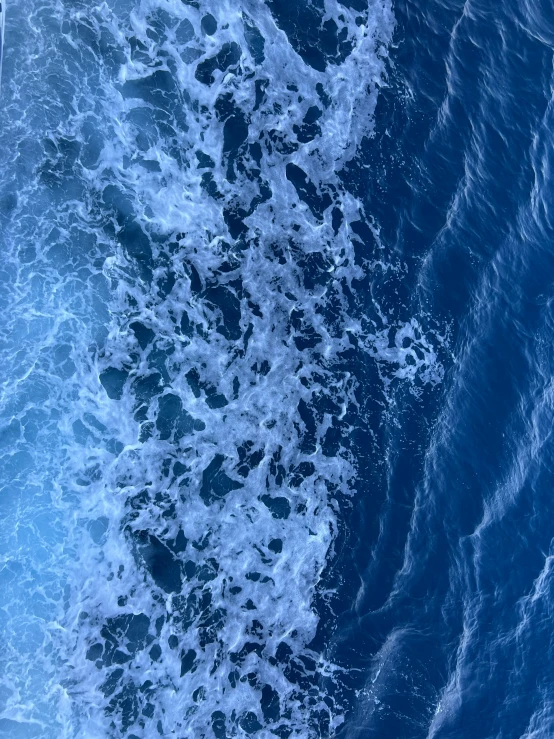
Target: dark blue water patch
[
  {"x": 225, "y": 299},
  {"x": 234, "y": 217},
  {"x": 113, "y": 380},
  {"x": 216, "y": 483},
  {"x": 455, "y": 193},
  {"x": 204, "y": 160},
  {"x": 279, "y": 506},
  {"x": 173, "y": 422},
  {"x": 228, "y": 55},
  {"x": 249, "y": 458},
  {"x": 307, "y": 191},
  {"x": 209, "y": 24},
  {"x": 235, "y": 133},
  {"x": 146, "y": 387},
  {"x": 123, "y": 636},
  {"x": 144, "y": 335},
  {"x": 309, "y": 129},
  {"x": 317, "y": 40},
  {"x": 179, "y": 544},
  {"x": 159, "y": 561}
]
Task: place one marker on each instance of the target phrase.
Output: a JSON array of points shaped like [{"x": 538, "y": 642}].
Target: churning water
[{"x": 276, "y": 369}]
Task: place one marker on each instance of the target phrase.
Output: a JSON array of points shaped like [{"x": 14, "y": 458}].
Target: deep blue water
[{"x": 276, "y": 369}]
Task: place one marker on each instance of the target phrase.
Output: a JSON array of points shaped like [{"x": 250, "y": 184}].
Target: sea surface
[{"x": 276, "y": 369}]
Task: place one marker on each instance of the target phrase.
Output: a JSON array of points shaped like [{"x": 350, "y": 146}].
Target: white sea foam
[{"x": 191, "y": 305}]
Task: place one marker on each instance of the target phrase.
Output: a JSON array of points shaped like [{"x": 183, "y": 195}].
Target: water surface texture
[{"x": 276, "y": 285}]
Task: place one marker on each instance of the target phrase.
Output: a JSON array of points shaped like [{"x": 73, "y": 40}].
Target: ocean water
[{"x": 276, "y": 369}]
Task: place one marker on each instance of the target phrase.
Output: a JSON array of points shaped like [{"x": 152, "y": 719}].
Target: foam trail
[{"x": 187, "y": 280}]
